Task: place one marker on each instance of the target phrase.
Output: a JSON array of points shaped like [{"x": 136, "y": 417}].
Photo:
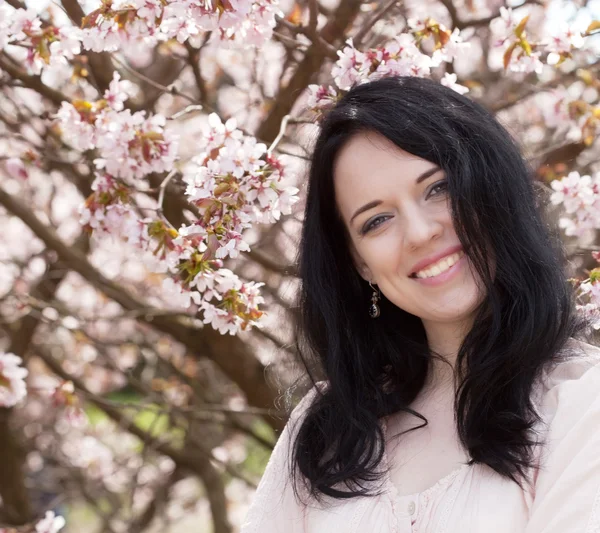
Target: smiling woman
[
  {"x": 404, "y": 240},
  {"x": 467, "y": 401}
]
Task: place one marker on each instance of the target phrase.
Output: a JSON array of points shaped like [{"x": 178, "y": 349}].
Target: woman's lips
[{"x": 444, "y": 277}]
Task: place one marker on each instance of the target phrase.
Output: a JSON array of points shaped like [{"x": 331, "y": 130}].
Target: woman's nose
[{"x": 421, "y": 228}]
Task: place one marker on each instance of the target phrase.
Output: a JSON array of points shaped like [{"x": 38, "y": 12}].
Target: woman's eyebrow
[
  {"x": 427, "y": 174},
  {"x": 364, "y": 208},
  {"x": 375, "y": 203}
]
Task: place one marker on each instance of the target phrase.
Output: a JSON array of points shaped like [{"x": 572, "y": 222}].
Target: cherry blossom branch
[
  {"x": 277, "y": 140},
  {"x": 184, "y": 458},
  {"x": 168, "y": 90},
  {"x": 100, "y": 64},
  {"x": 32, "y": 82},
  {"x": 193, "y": 60},
  {"x": 17, "y": 4},
  {"x": 12, "y": 483},
  {"x": 163, "y": 186},
  {"x": 233, "y": 356},
  {"x": 379, "y": 14},
  {"x": 457, "y": 22},
  {"x": 533, "y": 89},
  {"x": 314, "y": 58}
]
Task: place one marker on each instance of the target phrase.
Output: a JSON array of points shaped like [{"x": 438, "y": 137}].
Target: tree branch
[
  {"x": 32, "y": 82},
  {"x": 332, "y": 33},
  {"x": 383, "y": 10},
  {"x": 233, "y": 356},
  {"x": 184, "y": 458},
  {"x": 100, "y": 64}
]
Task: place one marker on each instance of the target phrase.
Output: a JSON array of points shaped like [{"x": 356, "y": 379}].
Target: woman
[{"x": 455, "y": 397}]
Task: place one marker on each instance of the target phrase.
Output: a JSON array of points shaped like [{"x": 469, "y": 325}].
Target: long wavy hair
[{"x": 374, "y": 368}]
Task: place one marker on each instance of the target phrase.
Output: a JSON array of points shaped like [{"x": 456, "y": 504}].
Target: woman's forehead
[{"x": 369, "y": 164}]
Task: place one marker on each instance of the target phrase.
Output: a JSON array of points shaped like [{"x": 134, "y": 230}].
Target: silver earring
[{"x": 374, "y": 310}]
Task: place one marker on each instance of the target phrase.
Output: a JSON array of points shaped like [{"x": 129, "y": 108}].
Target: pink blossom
[
  {"x": 351, "y": 66},
  {"x": 75, "y": 131},
  {"x": 402, "y": 57},
  {"x": 12, "y": 380},
  {"x": 523, "y": 62},
  {"x": 242, "y": 22},
  {"x": 564, "y": 41},
  {"x": 580, "y": 196},
  {"x": 69, "y": 44},
  {"x": 118, "y": 92},
  {"x": 321, "y": 96},
  {"x": 449, "y": 80},
  {"x": 22, "y": 22},
  {"x": 50, "y": 523},
  {"x": 503, "y": 27},
  {"x": 454, "y": 48},
  {"x": 235, "y": 180},
  {"x": 16, "y": 168}
]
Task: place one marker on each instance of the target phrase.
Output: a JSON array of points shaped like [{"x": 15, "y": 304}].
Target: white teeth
[{"x": 441, "y": 266}]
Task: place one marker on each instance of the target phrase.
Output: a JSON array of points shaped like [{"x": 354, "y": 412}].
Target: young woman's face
[{"x": 397, "y": 212}]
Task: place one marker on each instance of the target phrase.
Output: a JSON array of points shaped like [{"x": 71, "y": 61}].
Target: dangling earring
[{"x": 374, "y": 310}]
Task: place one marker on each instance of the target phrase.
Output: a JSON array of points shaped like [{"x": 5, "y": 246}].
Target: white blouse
[{"x": 565, "y": 497}]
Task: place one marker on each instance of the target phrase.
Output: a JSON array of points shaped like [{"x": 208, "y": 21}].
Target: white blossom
[
  {"x": 50, "y": 523},
  {"x": 12, "y": 380}
]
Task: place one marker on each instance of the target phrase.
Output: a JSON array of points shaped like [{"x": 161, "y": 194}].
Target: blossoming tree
[{"x": 151, "y": 163}]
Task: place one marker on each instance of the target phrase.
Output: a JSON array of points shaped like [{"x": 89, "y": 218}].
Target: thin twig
[
  {"x": 169, "y": 90},
  {"x": 280, "y": 135},
  {"x": 163, "y": 186},
  {"x": 188, "y": 109},
  {"x": 357, "y": 39}
]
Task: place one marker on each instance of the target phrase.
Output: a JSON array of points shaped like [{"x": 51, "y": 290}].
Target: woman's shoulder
[
  {"x": 572, "y": 383},
  {"x": 308, "y": 399}
]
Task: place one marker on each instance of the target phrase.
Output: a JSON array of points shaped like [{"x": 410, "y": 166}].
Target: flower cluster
[
  {"x": 523, "y": 55},
  {"x": 108, "y": 212},
  {"x": 40, "y": 44},
  {"x": 234, "y": 183},
  {"x": 195, "y": 277},
  {"x": 401, "y": 56},
  {"x": 118, "y": 22},
  {"x": 580, "y": 197},
  {"x": 12, "y": 380},
  {"x": 570, "y": 113},
  {"x": 130, "y": 145}
]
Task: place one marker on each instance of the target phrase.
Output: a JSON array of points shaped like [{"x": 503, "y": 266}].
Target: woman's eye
[
  {"x": 440, "y": 186},
  {"x": 373, "y": 223}
]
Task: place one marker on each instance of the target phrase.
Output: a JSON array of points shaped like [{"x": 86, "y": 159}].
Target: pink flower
[
  {"x": 118, "y": 92},
  {"x": 580, "y": 196},
  {"x": 16, "y": 168},
  {"x": 449, "y": 80},
  {"x": 503, "y": 27},
  {"x": 351, "y": 66},
  {"x": 50, "y": 523},
  {"x": 12, "y": 380}
]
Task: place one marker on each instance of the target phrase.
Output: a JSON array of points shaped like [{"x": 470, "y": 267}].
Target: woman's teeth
[{"x": 441, "y": 266}]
